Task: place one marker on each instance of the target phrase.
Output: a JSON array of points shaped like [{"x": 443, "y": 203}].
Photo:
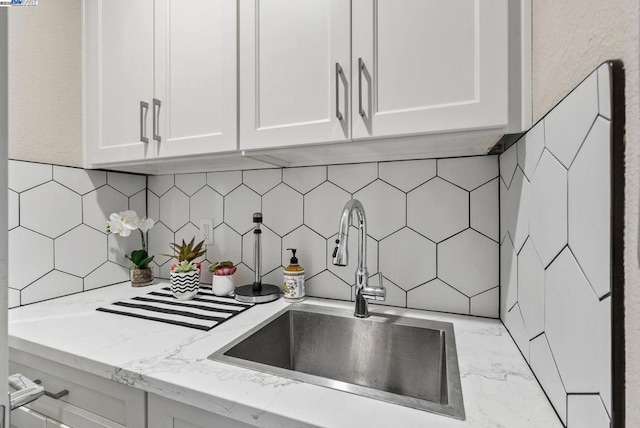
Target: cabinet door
[
  {"x": 291, "y": 90},
  {"x": 118, "y": 48},
  {"x": 164, "y": 413},
  {"x": 196, "y": 76},
  {"x": 428, "y": 66},
  {"x": 23, "y": 417}
]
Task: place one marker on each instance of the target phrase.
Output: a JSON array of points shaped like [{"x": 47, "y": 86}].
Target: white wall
[
  {"x": 571, "y": 38},
  {"x": 45, "y": 82}
]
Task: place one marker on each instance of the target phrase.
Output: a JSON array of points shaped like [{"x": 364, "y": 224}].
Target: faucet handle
[{"x": 375, "y": 293}]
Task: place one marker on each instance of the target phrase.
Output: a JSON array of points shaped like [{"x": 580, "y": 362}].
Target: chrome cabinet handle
[
  {"x": 26, "y": 391},
  {"x": 56, "y": 395},
  {"x": 360, "y": 68},
  {"x": 144, "y": 109},
  {"x": 338, "y": 77},
  {"x": 156, "y": 120}
]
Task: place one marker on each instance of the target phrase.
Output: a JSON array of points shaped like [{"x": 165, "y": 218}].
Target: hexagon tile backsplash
[
  {"x": 555, "y": 251},
  {"x": 57, "y": 222},
  {"x": 432, "y": 226}
]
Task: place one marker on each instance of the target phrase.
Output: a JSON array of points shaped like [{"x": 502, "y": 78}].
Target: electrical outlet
[{"x": 206, "y": 230}]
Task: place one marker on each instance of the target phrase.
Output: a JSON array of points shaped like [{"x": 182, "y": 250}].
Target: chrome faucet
[{"x": 341, "y": 257}]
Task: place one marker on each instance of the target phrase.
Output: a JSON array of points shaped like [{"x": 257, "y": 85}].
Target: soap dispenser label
[{"x": 294, "y": 286}]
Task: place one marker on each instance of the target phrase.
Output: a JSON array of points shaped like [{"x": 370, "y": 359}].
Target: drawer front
[{"x": 91, "y": 401}]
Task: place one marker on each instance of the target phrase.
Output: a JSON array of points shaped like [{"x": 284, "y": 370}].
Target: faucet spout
[{"x": 341, "y": 257}]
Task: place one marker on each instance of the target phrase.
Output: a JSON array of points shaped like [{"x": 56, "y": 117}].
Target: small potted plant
[
  {"x": 123, "y": 223},
  {"x": 185, "y": 280},
  {"x": 222, "y": 283},
  {"x": 187, "y": 252}
]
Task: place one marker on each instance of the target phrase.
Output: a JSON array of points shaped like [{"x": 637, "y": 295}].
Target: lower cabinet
[
  {"x": 77, "y": 399},
  {"x": 164, "y": 413}
]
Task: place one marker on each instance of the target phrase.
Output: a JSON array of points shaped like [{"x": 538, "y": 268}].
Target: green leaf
[{"x": 144, "y": 263}]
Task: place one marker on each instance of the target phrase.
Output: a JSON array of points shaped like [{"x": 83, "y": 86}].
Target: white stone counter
[{"x": 171, "y": 361}]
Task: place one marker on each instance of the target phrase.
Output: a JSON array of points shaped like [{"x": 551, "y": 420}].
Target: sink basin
[{"x": 407, "y": 361}]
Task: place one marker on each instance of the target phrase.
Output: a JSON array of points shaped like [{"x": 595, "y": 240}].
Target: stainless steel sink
[{"x": 407, "y": 361}]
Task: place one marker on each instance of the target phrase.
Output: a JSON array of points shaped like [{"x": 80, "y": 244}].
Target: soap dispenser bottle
[{"x": 293, "y": 280}]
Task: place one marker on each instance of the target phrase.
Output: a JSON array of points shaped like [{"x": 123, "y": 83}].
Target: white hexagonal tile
[
  {"x": 570, "y": 324},
  {"x": 531, "y": 289},
  {"x": 14, "y": 210},
  {"x": 79, "y": 180},
  {"x": 239, "y": 206},
  {"x": 515, "y": 209},
  {"x": 224, "y": 182},
  {"x": 604, "y": 352},
  {"x": 191, "y": 183},
  {"x": 138, "y": 203},
  {"x": 262, "y": 180},
  {"x": 530, "y": 149},
  {"x": 486, "y": 304},
  {"x": 227, "y": 245},
  {"x": 353, "y": 177},
  {"x": 14, "y": 298},
  {"x": 25, "y": 175},
  {"x": 282, "y": 209},
  {"x": 271, "y": 250},
  {"x": 438, "y": 296},
  {"x": 514, "y": 323},
  {"x": 589, "y": 207},
  {"x": 587, "y": 411},
  {"x": 396, "y": 296},
  {"x": 508, "y": 162},
  {"x": 187, "y": 233},
  {"x": 437, "y": 209},
  {"x": 98, "y": 205},
  {"x": 153, "y": 206},
  {"x": 546, "y": 371},
  {"x": 485, "y": 209},
  {"x": 469, "y": 173},
  {"x": 328, "y": 286},
  {"x": 80, "y": 251},
  {"x": 121, "y": 246},
  {"x": 158, "y": 243},
  {"x": 53, "y": 284},
  {"x": 323, "y": 208},
  {"x": 508, "y": 276},
  {"x": 348, "y": 273},
  {"x": 479, "y": 256},
  {"x": 63, "y": 209},
  {"x": 174, "y": 209},
  {"x": 548, "y": 222},
  {"x": 604, "y": 90},
  {"x": 160, "y": 184},
  {"x": 408, "y": 259},
  {"x": 207, "y": 204},
  {"x": 108, "y": 274},
  {"x": 312, "y": 250},
  {"x": 407, "y": 175},
  {"x": 244, "y": 276},
  {"x": 206, "y": 277},
  {"x": 385, "y": 208},
  {"x": 127, "y": 184},
  {"x": 567, "y": 125},
  {"x": 304, "y": 179},
  {"x": 27, "y": 245},
  {"x": 275, "y": 277}
]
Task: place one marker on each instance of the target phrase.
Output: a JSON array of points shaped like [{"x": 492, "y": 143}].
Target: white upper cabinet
[
  {"x": 160, "y": 79},
  {"x": 295, "y": 72},
  {"x": 119, "y": 66},
  {"x": 196, "y": 76},
  {"x": 428, "y": 66}
]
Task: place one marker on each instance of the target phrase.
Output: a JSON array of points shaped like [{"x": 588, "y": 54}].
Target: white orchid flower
[
  {"x": 116, "y": 225},
  {"x": 130, "y": 220},
  {"x": 146, "y": 224}
]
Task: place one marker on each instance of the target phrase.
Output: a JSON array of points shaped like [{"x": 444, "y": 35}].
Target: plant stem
[{"x": 144, "y": 244}]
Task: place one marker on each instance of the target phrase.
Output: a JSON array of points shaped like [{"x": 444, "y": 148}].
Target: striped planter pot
[{"x": 184, "y": 285}]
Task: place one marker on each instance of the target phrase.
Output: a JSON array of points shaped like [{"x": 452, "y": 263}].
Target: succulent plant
[
  {"x": 184, "y": 267},
  {"x": 187, "y": 252},
  {"x": 222, "y": 268}
]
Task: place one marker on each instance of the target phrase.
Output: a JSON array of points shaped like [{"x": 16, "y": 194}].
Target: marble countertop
[{"x": 499, "y": 388}]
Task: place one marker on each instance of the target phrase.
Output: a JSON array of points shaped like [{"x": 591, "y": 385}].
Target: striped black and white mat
[{"x": 203, "y": 312}]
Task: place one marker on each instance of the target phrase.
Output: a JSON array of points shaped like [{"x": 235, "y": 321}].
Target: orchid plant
[{"x": 125, "y": 222}]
